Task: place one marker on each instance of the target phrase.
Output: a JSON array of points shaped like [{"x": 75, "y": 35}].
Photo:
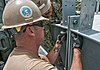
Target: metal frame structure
[{"x": 81, "y": 26}]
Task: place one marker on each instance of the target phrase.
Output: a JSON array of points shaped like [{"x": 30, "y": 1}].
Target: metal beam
[
  {"x": 87, "y": 14},
  {"x": 68, "y": 9}
]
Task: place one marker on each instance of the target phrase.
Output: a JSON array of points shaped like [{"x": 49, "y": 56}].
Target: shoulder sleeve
[{"x": 44, "y": 66}]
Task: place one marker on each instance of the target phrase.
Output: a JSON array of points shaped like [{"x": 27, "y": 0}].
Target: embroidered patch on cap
[{"x": 26, "y": 11}]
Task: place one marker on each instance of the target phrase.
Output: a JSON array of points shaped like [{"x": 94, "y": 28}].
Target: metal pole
[{"x": 68, "y": 47}]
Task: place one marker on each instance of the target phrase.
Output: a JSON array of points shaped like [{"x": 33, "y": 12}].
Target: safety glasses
[{"x": 39, "y": 24}]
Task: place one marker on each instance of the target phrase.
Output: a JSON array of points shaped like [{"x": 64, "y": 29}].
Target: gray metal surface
[
  {"x": 87, "y": 14},
  {"x": 90, "y": 55},
  {"x": 90, "y": 47},
  {"x": 68, "y": 9}
]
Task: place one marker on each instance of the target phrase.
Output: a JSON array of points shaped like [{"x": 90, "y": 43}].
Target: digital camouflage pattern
[{"x": 57, "y": 15}]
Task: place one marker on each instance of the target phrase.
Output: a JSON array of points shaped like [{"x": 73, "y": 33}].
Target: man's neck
[
  {"x": 28, "y": 43},
  {"x": 30, "y": 48}
]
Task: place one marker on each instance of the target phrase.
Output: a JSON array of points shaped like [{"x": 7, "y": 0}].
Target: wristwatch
[{"x": 56, "y": 50}]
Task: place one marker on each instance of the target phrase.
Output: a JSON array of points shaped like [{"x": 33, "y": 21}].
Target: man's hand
[{"x": 61, "y": 36}]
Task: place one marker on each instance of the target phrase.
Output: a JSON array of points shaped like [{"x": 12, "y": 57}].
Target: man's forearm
[{"x": 53, "y": 54}]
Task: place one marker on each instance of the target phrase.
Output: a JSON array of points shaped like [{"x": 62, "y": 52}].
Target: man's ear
[{"x": 29, "y": 31}]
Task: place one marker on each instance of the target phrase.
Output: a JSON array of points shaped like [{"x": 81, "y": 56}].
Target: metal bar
[{"x": 68, "y": 47}]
